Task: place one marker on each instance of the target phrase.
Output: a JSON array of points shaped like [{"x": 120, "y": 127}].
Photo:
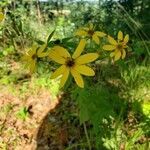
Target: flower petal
[
  {"x": 58, "y": 72},
  {"x": 100, "y": 34},
  {"x": 79, "y": 48},
  {"x": 41, "y": 49},
  {"x": 91, "y": 26},
  {"x": 32, "y": 50},
  {"x": 55, "y": 57},
  {"x": 120, "y": 36},
  {"x": 86, "y": 29},
  {"x": 26, "y": 57},
  {"x": 123, "y": 54},
  {"x": 109, "y": 47},
  {"x": 95, "y": 38},
  {"x": 117, "y": 55},
  {"x": 86, "y": 58},
  {"x": 43, "y": 54},
  {"x": 81, "y": 32},
  {"x": 126, "y": 39},
  {"x": 61, "y": 51},
  {"x": 77, "y": 77},
  {"x": 112, "y": 54},
  {"x": 85, "y": 70},
  {"x": 112, "y": 40},
  {"x": 1, "y": 16},
  {"x": 32, "y": 66},
  {"x": 64, "y": 77}
]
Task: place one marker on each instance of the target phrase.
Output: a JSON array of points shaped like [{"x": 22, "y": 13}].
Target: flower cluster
[{"x": 77, "y": 64}]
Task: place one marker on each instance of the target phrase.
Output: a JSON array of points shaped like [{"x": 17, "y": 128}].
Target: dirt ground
[
  {"x": 50, "y": 124},
  {"x": 16, "y": 133}
]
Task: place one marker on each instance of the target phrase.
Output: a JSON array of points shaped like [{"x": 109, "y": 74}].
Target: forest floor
[
  {"x": 15, "y": 132},
  {"x": 32, "y": 117},
  {"x": 46, "y": 126}
]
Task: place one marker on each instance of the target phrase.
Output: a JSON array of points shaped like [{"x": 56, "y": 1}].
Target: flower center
[
  {"x": 120, "y": 46},
  {"x": 90, "y": 32},
  {"x": 70, "y": 62},
  {"x": 34, "y": 56}
]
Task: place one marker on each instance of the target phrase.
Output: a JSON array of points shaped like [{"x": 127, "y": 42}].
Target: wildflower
[
  {"x": 91, "y": 33},
  {"x": 118, "y": 47},
  {"x": 74, "y": 65},
  {"x": 1, "y": 15},
  {"x": 33, "y": 54}
]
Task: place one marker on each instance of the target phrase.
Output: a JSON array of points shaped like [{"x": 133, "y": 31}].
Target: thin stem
[
  {"x": 87, "y": 137},
  {"x": 75, "y": 145}
]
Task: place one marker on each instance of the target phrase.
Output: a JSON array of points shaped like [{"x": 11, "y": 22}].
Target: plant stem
[
  {"x": 75, "y": 145},
  {"x": 87, "y": 137}
]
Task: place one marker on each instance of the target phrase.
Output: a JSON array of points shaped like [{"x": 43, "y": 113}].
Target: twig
[{"x": 87, "y": 137}]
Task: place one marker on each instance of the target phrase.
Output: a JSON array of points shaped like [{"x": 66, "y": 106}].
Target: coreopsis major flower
[
  {"x": 75, "y": 64},
  {"x": 33, "y": 54},
  {"x": 117, "y": 46},
  {"x": 90, "y": 33}
]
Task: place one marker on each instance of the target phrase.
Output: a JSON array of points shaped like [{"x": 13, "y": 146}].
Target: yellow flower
[
  {"x": 33, "y": 54},
  {"x": 74, "y": 65},
  {"x": 118, "y": 47},
  {"x": 1, "y": 15},
  {"x": 91, "y": 33}
]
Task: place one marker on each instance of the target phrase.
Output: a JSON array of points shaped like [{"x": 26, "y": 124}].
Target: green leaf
[
  {"x": 95, "y": 104},
  {"x": 22, "y": 113},
  {"x": 50, "y": 36},
  {"x": 40, "y": 42}
]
